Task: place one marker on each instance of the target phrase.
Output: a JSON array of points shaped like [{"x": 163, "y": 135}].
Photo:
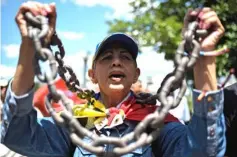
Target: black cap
[{"x": 130, "y": 44}]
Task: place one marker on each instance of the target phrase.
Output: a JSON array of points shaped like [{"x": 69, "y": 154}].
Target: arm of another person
[
  {"x": 205, "y": 134},
  {"x": 21, "y": 130}
]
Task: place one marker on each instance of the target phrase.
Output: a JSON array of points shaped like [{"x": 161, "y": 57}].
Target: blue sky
[
  {"x": 78, "y": 20},
  {"x": 81, "y": 24}
]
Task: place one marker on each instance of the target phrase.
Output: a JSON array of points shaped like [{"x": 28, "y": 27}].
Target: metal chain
[
  {"x": 38, "y": 27},
  {"x": 185, "y": 58},
  {"x": 66, "y": 72}
]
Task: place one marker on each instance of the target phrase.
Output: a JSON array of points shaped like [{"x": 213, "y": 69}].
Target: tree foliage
[{"x": 159, "y": 24}]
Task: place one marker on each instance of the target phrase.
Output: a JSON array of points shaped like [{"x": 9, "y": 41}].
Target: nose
[{"x": 116, "y": 62}]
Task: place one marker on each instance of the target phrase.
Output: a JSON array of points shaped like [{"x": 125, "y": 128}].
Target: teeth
[{"x": 117, "y": 79}]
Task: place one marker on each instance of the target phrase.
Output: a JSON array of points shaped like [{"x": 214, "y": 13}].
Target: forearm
[
  {"x": 24, "y": 133},
  {"x": 205, "y": 74},
  {"x": 24, "y": 75}
]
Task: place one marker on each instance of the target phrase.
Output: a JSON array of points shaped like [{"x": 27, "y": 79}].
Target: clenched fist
[{"x": 36, "y": 8}]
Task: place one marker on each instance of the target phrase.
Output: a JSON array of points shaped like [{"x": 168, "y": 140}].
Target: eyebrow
[
  {"x": 109, "y": 51},
  {"x": 125, "y": 51},
  {"x": 106, "y": 51}
]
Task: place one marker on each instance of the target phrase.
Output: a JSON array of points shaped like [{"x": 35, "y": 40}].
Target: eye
[
  {"x": 126, "y": 56},
  {"x": 107, "y": 57}
]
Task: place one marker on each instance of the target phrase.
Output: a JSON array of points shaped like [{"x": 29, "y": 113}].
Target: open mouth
[{"x": 116, "y": 77}]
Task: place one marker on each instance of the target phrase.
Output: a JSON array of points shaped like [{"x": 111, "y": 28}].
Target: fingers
[
  {"x": 47, "y": 8},
  {"x": 192, "y": 14},
  {"x": 24, "y": 8},
  {"x": 187, "y": 18},
  {"x": 210, "y": 21},
  {"x": 205, "y": 19},
  {"x": 208, "y": 18},
  {"x": 209, "y": 43},
  {"x": 52, "y": 15},
  {"x": 35, "y": 8}
]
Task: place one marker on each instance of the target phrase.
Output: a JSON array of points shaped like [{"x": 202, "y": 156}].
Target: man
[
  {"x": 115, "y": 70},
  {"x": 230, "y": 112}
]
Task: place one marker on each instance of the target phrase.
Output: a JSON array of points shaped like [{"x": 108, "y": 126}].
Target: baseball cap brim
[{"x": 126, "y": 40}]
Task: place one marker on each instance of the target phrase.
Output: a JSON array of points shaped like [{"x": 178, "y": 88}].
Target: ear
[
  {"x": 138, "y": 71},
  {"x": 91, "y": 74}
]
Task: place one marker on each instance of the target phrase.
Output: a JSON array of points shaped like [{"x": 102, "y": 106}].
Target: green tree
[{"x": 159, "y": 24}]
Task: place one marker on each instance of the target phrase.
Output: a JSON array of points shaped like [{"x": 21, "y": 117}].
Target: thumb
[
  {"x": 52, "y": 6},
  {"x": 52, "y": 15}
]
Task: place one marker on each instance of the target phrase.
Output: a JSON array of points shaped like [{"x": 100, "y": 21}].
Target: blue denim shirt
[{"x": 204, "y": 136}]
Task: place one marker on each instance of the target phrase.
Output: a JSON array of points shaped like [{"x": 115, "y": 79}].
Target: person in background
[
  {"x": 42, "y": 92},
  {"x": 182, "y": 111},
  {"x": 137, "y": 87}
]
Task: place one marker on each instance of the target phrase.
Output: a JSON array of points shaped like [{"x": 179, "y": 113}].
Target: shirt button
[
  {"x": 212, "y": 132},
  {"x": 209, "y": 99}
]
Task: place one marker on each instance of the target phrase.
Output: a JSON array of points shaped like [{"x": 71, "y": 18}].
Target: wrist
[
  {"x": 25, "y": 39},
  {"x": 27, "y": 42},
  {"x": 205, "y": 74},
  {"x": 204, "y": 61},
  {"x": 26, "y": 47},
  {"x": 208, "y": 48}
]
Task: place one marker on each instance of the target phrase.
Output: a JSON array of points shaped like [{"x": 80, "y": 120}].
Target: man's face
[{"x": 115, "y": 69}]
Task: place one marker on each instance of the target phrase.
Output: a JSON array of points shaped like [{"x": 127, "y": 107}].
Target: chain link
[
  {"x": 71, "y": 80},
  {"x": 148, "y": 129}
]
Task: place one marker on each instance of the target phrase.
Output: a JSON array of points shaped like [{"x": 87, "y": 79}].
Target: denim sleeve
[
  {"x": 205, "y": 134},
  {"x": 22, "y": 132}
]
